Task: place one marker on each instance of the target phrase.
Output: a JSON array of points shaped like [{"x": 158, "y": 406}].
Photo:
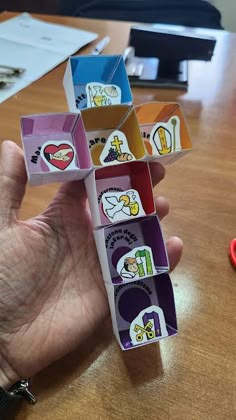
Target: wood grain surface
[{"x": 191, "y": 376}]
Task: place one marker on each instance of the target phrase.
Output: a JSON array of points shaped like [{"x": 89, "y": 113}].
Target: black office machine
[{"x": 159, "y": 57}]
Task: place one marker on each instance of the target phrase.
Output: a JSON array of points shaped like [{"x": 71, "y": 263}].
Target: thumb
[{"x": 13, "y": 180}]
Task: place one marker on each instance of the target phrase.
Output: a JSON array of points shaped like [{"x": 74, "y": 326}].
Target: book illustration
[
  {"x": 99, "y": 94},
  {"x": 148, "y": 325},
  {"x": 116, "y": 149},
  {"x": 58, "y": 155},
  {"x": 165, "y": 137},
  {"x": 137, "y": 264},
  {"x": 119, "y": 206}
]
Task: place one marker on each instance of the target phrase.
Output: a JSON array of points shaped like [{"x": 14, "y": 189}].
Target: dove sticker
[
  {"x": 116, "y": 149},
  {"x": 99, "y": 94},
  {"x": 58, "y": 155},
  {"x": 118, "y": 206}
]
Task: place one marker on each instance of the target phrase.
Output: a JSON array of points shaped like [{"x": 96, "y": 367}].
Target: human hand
[
  {"x": 61, "y": 155},
  {"x": 52, "y": 293}
]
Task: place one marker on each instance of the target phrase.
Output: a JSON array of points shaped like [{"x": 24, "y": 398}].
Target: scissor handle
[{"x": 232, "y": 251}]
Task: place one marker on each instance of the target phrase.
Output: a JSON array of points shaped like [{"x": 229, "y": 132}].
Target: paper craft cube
[
  {"x": 109, "y": 143},
  {"x": 131, "y": 251},
  {"x": 142, "y": 311},
  {"x": 93, "y": 81},
  {"x": 113, "y": 135},
  {"x": 164, "y": 130},
  {"x": 119, "y": 193},
  {"x": 55, "y": 148}
]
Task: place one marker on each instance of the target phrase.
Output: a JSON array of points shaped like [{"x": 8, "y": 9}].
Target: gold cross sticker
[{"x": 117, "y": 143}]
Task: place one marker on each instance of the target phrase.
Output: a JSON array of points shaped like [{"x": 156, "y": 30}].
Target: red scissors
[{"x": 232, "y": 252}]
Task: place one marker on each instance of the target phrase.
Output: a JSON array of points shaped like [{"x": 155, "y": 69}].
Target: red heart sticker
[{"x": 59, "y": 156}]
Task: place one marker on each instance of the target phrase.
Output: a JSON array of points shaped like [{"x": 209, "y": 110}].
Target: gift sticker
[
  {"x": 119, "y": 206},
  {"x": 116, "y": 149},
  {"x": 58, "y": 155},
  {"x": 165, "y": 137},
  {"x": 148, "y": 325},
  {"x": 136, "y": 264},
  {"x": 99, "y": 94}
]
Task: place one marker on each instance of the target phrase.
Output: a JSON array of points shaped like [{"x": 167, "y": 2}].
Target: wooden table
[{"x": 191, "y": 376}]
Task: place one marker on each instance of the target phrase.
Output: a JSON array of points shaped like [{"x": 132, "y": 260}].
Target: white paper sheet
[{"x": 36, "y": 46}]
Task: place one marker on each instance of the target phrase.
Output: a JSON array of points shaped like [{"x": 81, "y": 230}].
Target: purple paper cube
[
  {"x": 55, "y": 147},
  {"x": 132, "y": 250},
  {"x": 143, "y": 311}
]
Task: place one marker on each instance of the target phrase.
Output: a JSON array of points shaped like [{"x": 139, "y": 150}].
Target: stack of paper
[{"x": 37, "y": 47}]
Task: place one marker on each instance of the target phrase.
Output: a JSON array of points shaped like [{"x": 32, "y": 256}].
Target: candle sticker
[
  {"x": 58, "y": 155},
  {"x": 136, "y": 264},
  {"x": 116, "y": 149},
  {"x": 165, "y": 137},
  {"x": 119, "y": 206},
  {"x": 99, "y": 94},
  {"x": 148, "y": 325}
]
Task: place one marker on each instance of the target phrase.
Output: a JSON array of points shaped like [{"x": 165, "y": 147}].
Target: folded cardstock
[
  {"x": 142, "y": 311},
  {"x": 56, "y": 148},
  {"x": 113, "y": 135},
  {"x": 119, "y": 193},
  {"x": 91, "y": 81},
  {"x": 131, "y": 251},
  {"x": 109, "y": 143},
  {"x": 164, "y": 130}
]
